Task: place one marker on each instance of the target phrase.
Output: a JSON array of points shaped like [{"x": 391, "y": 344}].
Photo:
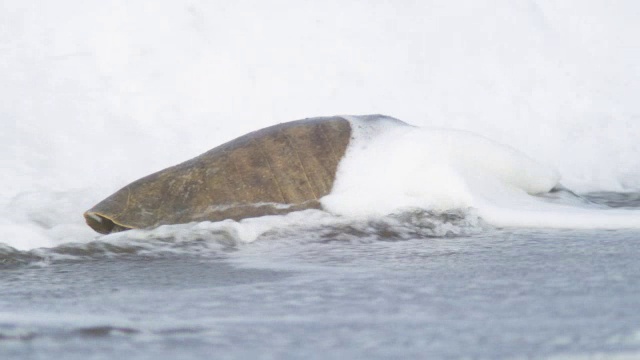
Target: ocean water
[
  {"x": 504, "y": 223},
  {"x": 381, "y": 289}
]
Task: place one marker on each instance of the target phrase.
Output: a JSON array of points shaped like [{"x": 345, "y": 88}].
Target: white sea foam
[
  {"x": 95, "y": 95},
  {"x": 391, "y": 166}
]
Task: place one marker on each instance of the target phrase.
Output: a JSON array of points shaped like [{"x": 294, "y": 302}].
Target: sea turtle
[{"x": 276, "y": 170}]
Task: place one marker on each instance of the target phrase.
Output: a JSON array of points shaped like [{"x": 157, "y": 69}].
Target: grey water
[{"x": 482, "y": 294}]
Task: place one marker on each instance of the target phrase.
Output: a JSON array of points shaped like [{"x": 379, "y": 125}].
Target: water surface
[{"x": 329, "y": 293}]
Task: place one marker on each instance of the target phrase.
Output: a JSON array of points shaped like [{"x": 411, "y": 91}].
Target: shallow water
[{"x": 339, "y": 291}]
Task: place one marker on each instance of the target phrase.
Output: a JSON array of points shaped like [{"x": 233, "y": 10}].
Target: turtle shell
[{"x": 276, "y": 170}]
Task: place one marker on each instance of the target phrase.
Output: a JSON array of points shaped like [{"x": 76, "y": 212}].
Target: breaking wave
[{"x": 209, "y": 239}]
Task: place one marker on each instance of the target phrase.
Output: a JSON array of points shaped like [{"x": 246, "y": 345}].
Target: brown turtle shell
[{"x": 276, "y": 170}]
